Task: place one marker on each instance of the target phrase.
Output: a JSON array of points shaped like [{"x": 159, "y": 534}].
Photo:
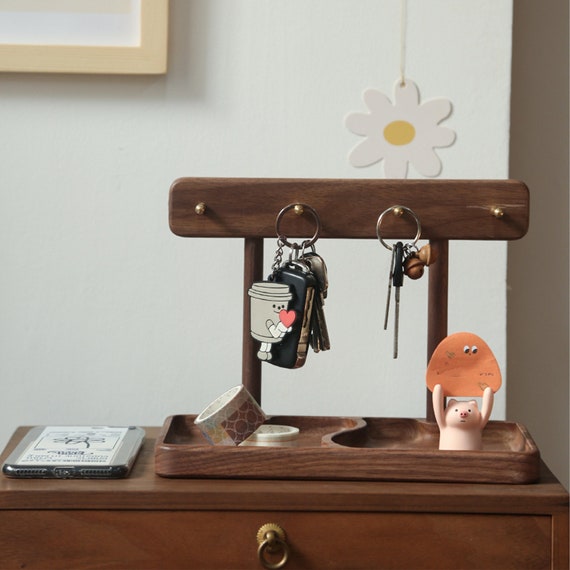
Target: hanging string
[{"x": 403, "y": 22}]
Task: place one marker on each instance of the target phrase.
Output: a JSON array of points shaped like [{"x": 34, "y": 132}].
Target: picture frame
[{"x": 148, "y": 55}]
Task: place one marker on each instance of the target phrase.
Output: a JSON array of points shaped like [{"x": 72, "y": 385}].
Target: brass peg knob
[
  {"x": 497, "y": 211},
  {"x": 299, "y": 210},
  {"x": 272, "y": 541},
  {"x": 398, "y": 211},
  {"x": 200, "y": 208}
]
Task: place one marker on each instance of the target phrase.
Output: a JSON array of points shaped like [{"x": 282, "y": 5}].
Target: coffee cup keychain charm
[{"x": 286, "y": 310}]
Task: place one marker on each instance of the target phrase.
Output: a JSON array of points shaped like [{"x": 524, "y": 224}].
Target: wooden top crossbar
[
  {"x": 447, "y": 209},
  {"x": 250, "y": 208}
]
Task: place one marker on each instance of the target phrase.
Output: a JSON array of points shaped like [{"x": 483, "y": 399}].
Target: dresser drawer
[{"x": 63, "y": 539}]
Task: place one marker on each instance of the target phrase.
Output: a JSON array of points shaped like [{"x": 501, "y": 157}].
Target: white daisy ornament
[{"x": 399, "y": 133}]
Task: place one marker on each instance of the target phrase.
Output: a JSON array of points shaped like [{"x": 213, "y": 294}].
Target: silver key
[
  {"x": 320, "y": 335},
  {"x": 319, "y": 269},
  {"x": 389, "y": 295}
]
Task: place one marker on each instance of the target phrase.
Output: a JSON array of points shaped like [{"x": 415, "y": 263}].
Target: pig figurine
[{"x": 461, "y": 423}]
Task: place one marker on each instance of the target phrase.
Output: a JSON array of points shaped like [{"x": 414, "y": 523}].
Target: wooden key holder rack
[{"x": 369, "y": 448}]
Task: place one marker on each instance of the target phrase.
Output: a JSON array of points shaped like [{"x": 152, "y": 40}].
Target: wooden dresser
[{"x": 150, "y": 522}]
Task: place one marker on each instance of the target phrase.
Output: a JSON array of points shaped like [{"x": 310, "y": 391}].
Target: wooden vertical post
[
  {"x": 437, "y": 306},
  {"x": 252, "y": 271}
]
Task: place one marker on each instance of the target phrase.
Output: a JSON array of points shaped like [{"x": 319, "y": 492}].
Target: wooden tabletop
[{"x": 143, "y": 489}]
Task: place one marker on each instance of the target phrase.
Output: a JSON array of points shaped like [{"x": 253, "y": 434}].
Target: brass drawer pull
[{"x": 272, "y": 540}]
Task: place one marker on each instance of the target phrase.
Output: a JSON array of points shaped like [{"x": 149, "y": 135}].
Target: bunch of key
[
  {"x": 293, "y": 311},
  {"x": 406, "y": 260},
  {"x": 319, "y": 333}
]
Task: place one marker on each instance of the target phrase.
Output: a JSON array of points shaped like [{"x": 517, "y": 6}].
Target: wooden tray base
[{"x": 337, "y": 448}]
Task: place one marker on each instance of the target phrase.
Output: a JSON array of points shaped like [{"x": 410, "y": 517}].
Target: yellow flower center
[{"x": 399, "y": 132}]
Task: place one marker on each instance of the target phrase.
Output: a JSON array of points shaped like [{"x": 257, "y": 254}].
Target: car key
[
  {"x": 291, "y": 352},
  {"x": 397, "y": 282}
]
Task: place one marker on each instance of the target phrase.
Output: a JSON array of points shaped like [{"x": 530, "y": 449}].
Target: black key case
[{"x": 291, "y": 352}]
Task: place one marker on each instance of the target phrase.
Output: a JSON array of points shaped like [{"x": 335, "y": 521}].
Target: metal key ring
[
  {"x": 395, "y": 209},
  {"x": 303, "y": 207}
]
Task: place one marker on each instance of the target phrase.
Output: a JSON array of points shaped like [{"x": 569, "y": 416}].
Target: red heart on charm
[{"x": 287, "y": 317}]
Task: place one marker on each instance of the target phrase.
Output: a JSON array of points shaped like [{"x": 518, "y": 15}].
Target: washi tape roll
[
  {"x": 231, "y": 418},
  {"x": 269, "y": 435}
]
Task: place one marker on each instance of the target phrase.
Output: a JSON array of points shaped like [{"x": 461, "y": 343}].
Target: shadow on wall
[{"x": 537, "y": 302}]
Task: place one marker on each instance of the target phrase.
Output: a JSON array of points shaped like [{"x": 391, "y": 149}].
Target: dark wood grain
[
  {"x": 437, "y": 310},
  {"x": 252, "y": 272},
  {"x": 186, "y": 540},
  {"x": 147, "y": 521},
  {"x": 334, "y": 448},
  {"x": 447, "y": 209},
  {"x": 146, "y": 490}
]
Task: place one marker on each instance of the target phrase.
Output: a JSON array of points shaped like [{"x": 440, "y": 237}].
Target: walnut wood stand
[{"x": 247, "y": 208}]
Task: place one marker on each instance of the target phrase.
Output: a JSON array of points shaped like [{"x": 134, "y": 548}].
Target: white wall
[{"x": 105, "y": 316}]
